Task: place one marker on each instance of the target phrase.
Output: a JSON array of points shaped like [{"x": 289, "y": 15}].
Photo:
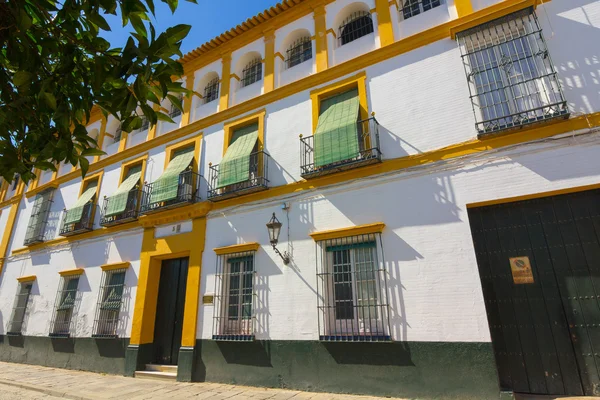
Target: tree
[{"x": 55, "y": 68}]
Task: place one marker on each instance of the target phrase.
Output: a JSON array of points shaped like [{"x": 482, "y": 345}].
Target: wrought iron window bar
[
  {"x": 85, "y": 224},
  {"x": 129, "y": 214},
  {"x": 252, "y": 73},
  {"x": 19, "y": 312},
  {"x": 411, "y": 8},
  {"x": 352, "y": 294},
  {"x": 369, "y": 151},
  {"x": 67, "y": 298},
  {"x": 211, "y": 91},
  {"x": 118, "y": 134},
  {"x": 36, "y": 229},
  {"x": 258, "y": 177},
  {"x": 235, "y": 297},
  {"x": 512, "y": 79},
  {"x": 188, "y": 191},
  {"x": 108, "y": 307},
  {"x": 175, "y": 112},
  {"x": 299, "y": 51},
  {"x": 354, "y": 27}
]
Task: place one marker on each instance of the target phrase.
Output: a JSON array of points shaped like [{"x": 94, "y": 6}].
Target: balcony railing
[
  {"x": 368, "y": 152},
  {"x": 85, "y": 224},
  {"x": 188, "y": 191},
  {"x": 257, "y": 180},
  {"x": 130, "y": 213}
]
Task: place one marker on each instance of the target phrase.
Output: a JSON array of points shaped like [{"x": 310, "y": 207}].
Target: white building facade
[{"x": 430, "y": 170}]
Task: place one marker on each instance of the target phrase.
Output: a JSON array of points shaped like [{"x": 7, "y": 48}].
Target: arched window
[
  {"x": 252, "y": 72},
  {"x": 298, "y": 52},
  {"x": 211, "y": 90},
  {"x": 410, "y": 8},
  {"x": 357, "y": 25}
]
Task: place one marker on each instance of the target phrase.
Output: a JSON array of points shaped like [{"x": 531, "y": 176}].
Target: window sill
[
  {"x": 529, "y": 124},
  {"x": 60, "y": 335},
  {"x": 95, "y": 336},
  {"x": 233, "y": 338},
  {"x": 355, "y": 338}
]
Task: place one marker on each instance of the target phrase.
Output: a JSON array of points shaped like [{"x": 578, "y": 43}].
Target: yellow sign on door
[{"x": 521, "y": 270}]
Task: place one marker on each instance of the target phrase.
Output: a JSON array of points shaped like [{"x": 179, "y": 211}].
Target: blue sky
[{"x": 208, "y": 19}]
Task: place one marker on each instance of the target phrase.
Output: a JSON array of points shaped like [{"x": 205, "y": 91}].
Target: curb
[{"x": 50, "y": 392}]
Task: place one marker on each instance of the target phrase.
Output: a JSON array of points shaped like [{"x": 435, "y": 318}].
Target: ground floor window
[
  {"x": 234, "y": 297},
  {"x": 66, "y": 299},
  {"x": 110, "y": 299},
  {"x": 352, "y": 289},
  {"x": 19, "y": 312}
]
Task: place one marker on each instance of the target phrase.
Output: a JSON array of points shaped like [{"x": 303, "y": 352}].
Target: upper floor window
[
  {"x": 145, "y": 124},
  {"x": 175, "y": 111},
  {"x": 39, "y": 217},
  {"x": 357, "y": 25},
  {"x": 118, "y": 133},
  {"x": 511, "y": 76},
  {"x": 410, "y": 8},
  {"x": 298, "y": 52},
  {"x": 252, "y": 72},
  {"x": 80, "y": 217},
  {"x": 211, "y": 91}
]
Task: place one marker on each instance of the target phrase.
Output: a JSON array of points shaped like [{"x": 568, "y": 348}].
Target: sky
[{"x": 208, "y": 19}]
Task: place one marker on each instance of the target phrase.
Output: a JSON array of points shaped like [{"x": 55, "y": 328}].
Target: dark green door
[
  {"x": 539, "y": 264},
  {"x": 169, "y": 310}
]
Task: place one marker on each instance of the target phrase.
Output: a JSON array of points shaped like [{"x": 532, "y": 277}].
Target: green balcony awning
[
  {"x": 165, "y": 188},
  {"x": 336, "y": 136},
  {"x": 75, "y": 213},
  {"x": 118, "y": 201},
  {"x": 235, "y": 166}
]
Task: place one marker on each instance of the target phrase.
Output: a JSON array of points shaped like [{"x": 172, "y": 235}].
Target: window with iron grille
[
  {"x": 298, "y": 52},
  {"x": 66, "y": 300},
  {"x": 357, "y": 25},
  {"x": 117, "y": 136},
  {"x": 211, "y": 91},
  {"x": 352, "y": 290},
  {"x": 39, "y": 217},
  {"x": 234, "y": 297},
  {"x": 511, "y": 77},
  {"x": 410, "y": 8},
  {"x": 19, "y": 312},
  {"x": 252, "y": 73},
  {"x": 175, "y": 112},
  {"x": 145, "y": 124},
  {"x": 110, "y": 299}
]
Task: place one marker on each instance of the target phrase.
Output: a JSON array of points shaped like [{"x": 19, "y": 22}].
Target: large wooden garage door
[{"x": 539, "y": 264}]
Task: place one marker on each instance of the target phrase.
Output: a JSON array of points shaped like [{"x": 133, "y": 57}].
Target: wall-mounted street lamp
[{"x": 274, "y": 228}]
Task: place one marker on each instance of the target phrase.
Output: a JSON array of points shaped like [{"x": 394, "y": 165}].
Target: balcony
[
  {"x": 84, "y": 224},
  {"x": 188, "y": 191},
  {"x": 258, "y": 177},
  {"x": 367, "y": 152},
  {"x": 130, "y": 213}
]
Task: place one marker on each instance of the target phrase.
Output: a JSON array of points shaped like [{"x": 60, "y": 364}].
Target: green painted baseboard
[
  {"x": 87, "y": 354},
  {"x": 422, "y": 370}
]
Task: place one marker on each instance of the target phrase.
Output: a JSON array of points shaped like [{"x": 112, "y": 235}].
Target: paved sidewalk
[{"x": 51, "y": 383}]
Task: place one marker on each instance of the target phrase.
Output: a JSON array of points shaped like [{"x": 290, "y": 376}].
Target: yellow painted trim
[
  {"x": 3, "y": 190},
  {"x": 358, "y": 81},
  {"x": 278, "y": 54},
  {"x": 269, "y": 77},
  {"x": 8, "y": 230},
  {"x": 132, "y": 163},
  {"x": 231, "y": 126},
  {"x": 123, "y": 141},
  {"x": 100, "y": 140},
  {"x": 112, "y": 267},
  {"x": 225, "y": 82},
  {"x": 33, "y": 192},
  {"x": 331, "y": 31},
  {"x": 489, "y": 14},
  {"x": 187, "y": 101},
  {"x": 36, "y": 180},
  {"x": 71, "y": 272},
  {"x": 29, "y": 278},
  {"x": 152, "y": 130},
  {"x": 234, "y": 76},
  {"x": 322, "y": 60},
  {"x": 94, "y": 177},
  {"x": 195, "y": 142},
  {"x": 384, "y": 22},
  {"x": 154, "y": 251},
  {"x": 237, "y": 248},
  {"x": 463, "y": 7},
  {"x": 345, "y": 232}
]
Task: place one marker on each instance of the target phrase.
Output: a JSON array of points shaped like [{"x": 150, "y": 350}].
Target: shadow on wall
[
  {"x": 255, "y": 353},
  {"x": 370, "y": 353}
]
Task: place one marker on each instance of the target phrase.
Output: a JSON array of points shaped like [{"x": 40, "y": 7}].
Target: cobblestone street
[{"x": 20, "y": 381}]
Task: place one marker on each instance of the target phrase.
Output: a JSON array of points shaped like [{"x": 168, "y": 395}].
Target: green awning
[
  {"x": 118, "y": 201},
  {"x": 336, "y": 137},
  {"x": 75, "y": 213},
  {"x": 235, "y": 166},
  {"x": 165, "y": 188}
]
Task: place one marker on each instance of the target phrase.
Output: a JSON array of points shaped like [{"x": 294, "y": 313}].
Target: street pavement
[{"x": 29, "y": 382}]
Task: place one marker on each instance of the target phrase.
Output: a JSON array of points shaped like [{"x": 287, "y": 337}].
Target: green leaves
[{"x": 55, "y": 68}]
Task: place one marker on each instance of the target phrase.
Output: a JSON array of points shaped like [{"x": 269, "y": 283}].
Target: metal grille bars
[
  {"x": 66, "y": 298},
  {"x": 86, "y": 223},
  {"x": 357, "y": 25},
  {"x": 252, "y": 73},
  {"x": 188, "y": 191},
  {"x": 19, "y": 312},
  {"x": 36, "y": 228},
  {"x": 257, "y": 166},
  {"x": 235, "y": 297},
  {"x": 511, "y": 77},
  {"x": 298, "y": 52},
  {"x": 352, "y": 300},
  {"x": 109, "y": 303},
  {"x": 410, "y": 8},
  {"x": 211, "y": 91}
]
